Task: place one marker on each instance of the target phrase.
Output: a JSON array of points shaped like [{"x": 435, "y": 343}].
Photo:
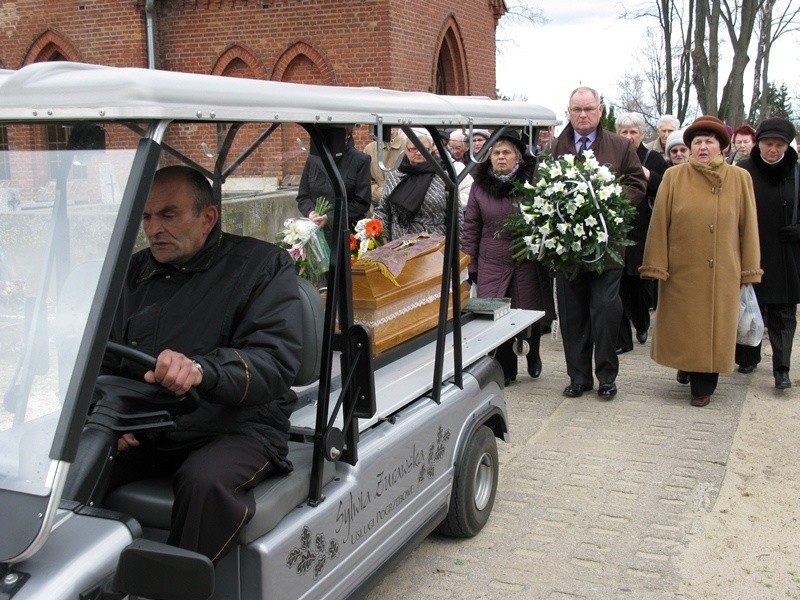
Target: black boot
[
  {"x": 533, "y": 357},
  {"x": 508, "y": 360}
]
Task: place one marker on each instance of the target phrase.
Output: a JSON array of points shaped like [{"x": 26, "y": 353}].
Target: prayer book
[{"x": 493, "y": 308}]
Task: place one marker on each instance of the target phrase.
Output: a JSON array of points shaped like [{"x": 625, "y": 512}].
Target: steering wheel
[
  {"x": 124, "y": 405},
  {"x": 144, "y": 359}
]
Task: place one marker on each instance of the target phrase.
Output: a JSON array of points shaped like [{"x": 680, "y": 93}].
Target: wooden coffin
[{"x": 394, "y": 314}]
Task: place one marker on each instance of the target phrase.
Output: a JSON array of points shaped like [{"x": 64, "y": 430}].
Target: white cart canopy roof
[{"x": 64, "y": 91}]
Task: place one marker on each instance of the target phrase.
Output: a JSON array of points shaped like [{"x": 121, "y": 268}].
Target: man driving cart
[{"x": 221, "y": 313}]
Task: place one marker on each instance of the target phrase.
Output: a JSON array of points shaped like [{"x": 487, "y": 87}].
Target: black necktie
[{"x": 584, "y": 144}]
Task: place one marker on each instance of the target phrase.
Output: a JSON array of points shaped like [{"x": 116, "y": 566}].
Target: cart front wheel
[{"x": 474, "y": 487}]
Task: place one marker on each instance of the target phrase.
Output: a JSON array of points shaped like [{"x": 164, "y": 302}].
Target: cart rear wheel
[{"x": 474, "y": 487}]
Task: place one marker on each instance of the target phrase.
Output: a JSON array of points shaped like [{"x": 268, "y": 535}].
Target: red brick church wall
[{"x": 386, "y": 43}]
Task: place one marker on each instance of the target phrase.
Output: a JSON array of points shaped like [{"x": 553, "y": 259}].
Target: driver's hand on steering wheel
[
  {"x": 174, "y": 371},
  {"x": 125, "y": 441}
]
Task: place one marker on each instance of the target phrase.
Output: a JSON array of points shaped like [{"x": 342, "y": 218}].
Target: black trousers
[
  {"x": 590, "y": 311},
  {"x": 507, "y": 358},
  {"x": 213, "y": 487},
  {"x": 637, "y": 297},
  {"x": 703, "y": 384},
  {"x": 781, "y": 325}
]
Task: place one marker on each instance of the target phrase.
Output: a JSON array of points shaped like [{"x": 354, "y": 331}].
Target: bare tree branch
[
  {"x": 519, "y": 12},
  {"x": 770, "y": 28},
  {"x": 667, "y": 55}
]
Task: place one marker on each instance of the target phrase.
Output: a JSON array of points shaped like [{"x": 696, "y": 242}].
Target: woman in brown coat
[{"x": 702, "y": 245}]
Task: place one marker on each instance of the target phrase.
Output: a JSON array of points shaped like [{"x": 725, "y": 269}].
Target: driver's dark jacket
[{"x": 235, "y": 309}]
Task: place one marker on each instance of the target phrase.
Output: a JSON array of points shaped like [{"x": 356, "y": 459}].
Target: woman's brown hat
[{"x": 710, "y": 124}]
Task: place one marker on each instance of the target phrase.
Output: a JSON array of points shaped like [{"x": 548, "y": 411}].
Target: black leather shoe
[
  {"x": 747, "y": 368},
  {"x": 641, "y": 337},
  {"x": 535, "y": 367},
  {"x": 782, "y": 381},
  {"x": 575, "y": 390},
  {"x": 607, "y": 391},
  {"x": 682, "y": 377}
]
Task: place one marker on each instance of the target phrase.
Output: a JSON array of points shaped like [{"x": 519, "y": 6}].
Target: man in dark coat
[
  {"x": 589, "y": 306},
  {"x": 222, "y": 314},
  {"x": 773, "y": 166}
]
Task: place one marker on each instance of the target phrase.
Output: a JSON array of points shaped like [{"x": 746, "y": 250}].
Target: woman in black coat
[{"x": 773, "y": 166}]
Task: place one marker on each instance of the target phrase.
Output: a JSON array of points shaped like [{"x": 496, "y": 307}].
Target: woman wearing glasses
[
  {"x": 677, "y": 150},
  {"x": 414, "y": 197}
]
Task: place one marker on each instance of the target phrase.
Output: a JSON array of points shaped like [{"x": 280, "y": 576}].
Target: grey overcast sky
[{"x": 586, "y": 42}]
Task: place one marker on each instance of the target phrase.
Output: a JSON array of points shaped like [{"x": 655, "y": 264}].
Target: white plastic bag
[{"x": 751, "y": 325}]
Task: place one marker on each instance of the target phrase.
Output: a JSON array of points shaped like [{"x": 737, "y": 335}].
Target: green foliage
[
  {"x": 609, "y": 120},
  {"x": 779, "y": 104},
  {"x": 322, "y": 206}
]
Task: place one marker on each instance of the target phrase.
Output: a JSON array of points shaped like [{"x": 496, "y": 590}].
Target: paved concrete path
[{"x": 596, "y": 499}]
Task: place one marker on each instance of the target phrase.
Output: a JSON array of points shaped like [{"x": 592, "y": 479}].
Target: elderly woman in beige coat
[{"x": 702, "y": 245}]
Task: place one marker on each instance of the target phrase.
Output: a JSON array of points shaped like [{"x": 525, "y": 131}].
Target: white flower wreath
[{"x": 572, "y": 217}]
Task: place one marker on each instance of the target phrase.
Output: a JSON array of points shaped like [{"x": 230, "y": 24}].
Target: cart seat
[{"x": 149, "y": 501}]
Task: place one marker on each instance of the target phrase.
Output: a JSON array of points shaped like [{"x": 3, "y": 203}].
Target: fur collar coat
[
  {"x": 702, "y": 245},
  {"x": 491, "y": 200}
]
